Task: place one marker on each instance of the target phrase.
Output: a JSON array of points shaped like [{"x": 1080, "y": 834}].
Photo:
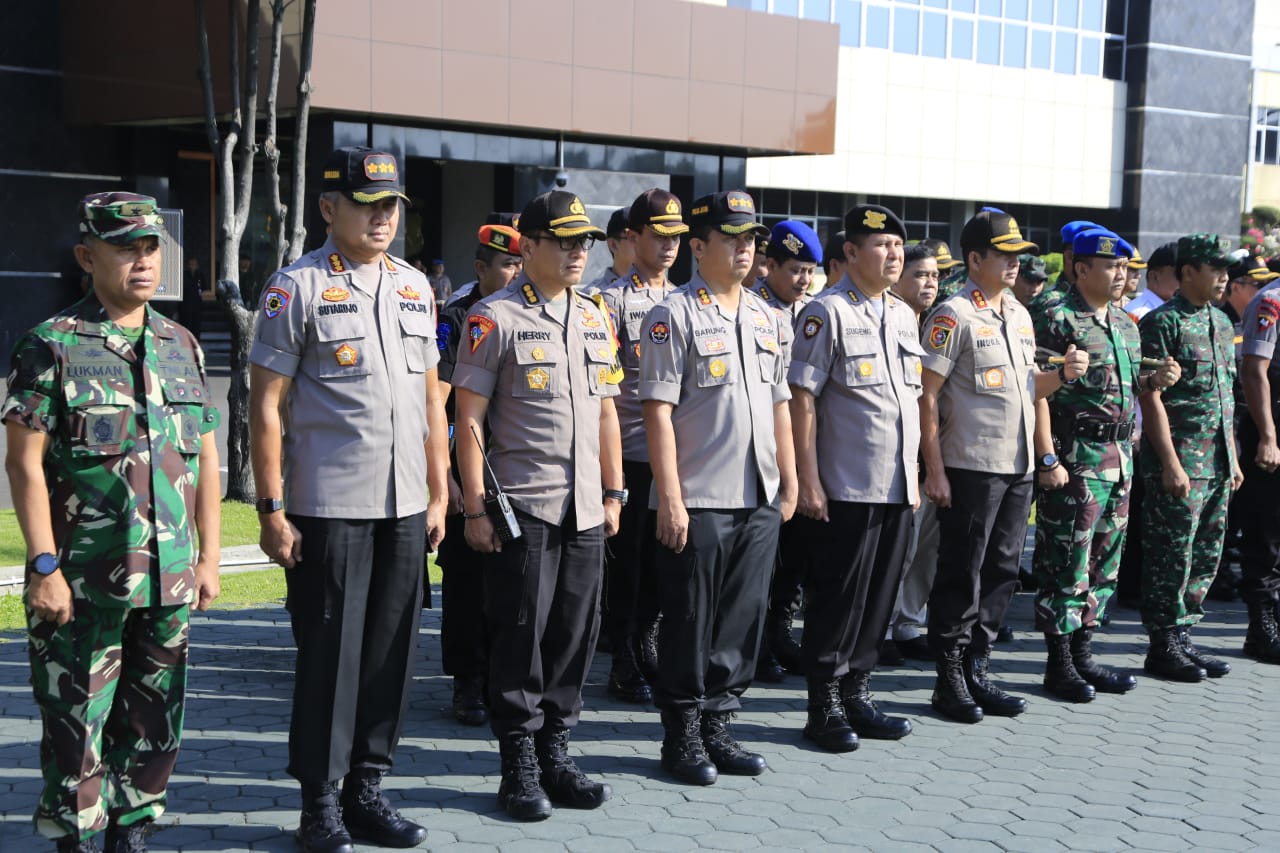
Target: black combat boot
[
  {"x": 827, "y": 725},
  {"x": 561, "y": 779},
  {"x": 951, "y": 697},
  {"x": 890, "y": 654},
  {"x": 468, "y": 700},
  {"x": 782, "y": 639},
  {"x": 991, "y": 699},
  {"x": 647, "y": 651},
  {"x": 683, "y": 754},
  {"x": 861, "y": 711},
  {"x": 725, "y": 752},
  {"x": 1060, "y": 676},
  {"x": 369, "y": 815},
  {"x": 768, "y": 669},
  {"x": 1213, "y": 667},
  {"x": 520, "y": 793},
  {"x": 916, "y": 648},
  {"x": 126, "y": 839},
  {"x": 626, "y": 682},
  {"x": 72, "y": 844},
  {"x": 320, "y": 829},
  {"x": 1166, "y": 658},
  {"x": 1262, "y": 642},
  {"x": 1103, "y": 679}
]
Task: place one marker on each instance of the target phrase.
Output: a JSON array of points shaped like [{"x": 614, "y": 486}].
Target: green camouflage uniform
[
  {"x": 1050, "y": 295},
  {"x": 951, "y": 284},
  {"x": 122, "y": 468},
  {"x": 1183, "y": 537},
  {"x": 1080, "y": 527}
]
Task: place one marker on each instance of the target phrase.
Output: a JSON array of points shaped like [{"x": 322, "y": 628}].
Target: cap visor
[
  {"x": 578, "y": 230},
  {"x": 1018, "y": 248},
  {"x": 1262, "y": 275},
  {"x": 134, "y": 234},
  {"x": 370, "y": 198},
  {"x": 1137, "y": 265},
  {"x": 949, "y": 265},
  {"x": 743, "y": 228},
  {"x": 669, "y": 230}
]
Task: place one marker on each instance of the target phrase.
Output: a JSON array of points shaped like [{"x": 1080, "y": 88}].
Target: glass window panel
[
  {"x": 775, "y": 201},
  {"x": 936, "y": 4},
  {"x": 849, "y": 17},
  {"x": 1091, "y": 56},
  {"x": 962, "y": 5},
  {"x": 989, "y": 7},
  {"x": 817, "y": 10},
  {"x": 832, "y": 204},
  {"x": 1015, "y": 10},
  {"x": 1041, "y": 49},
  {"x": 740, "y": 4},
  {"x": 1042, "y": 11},
  {"x": 989, "y": 42},
  {"x": 1068, "y": 12},
  {"x": 916, "y": 209},
  {"x": 1015, "y": 46},
  {"x": 1091, "y": 15},
  {"x": 1064, "y": 53},
  {"x": 961, "y": 39},
  {"x": 934, "y": 42},
  {"x": 790, "y": 8},
  {"x": 1271, "y": 152},
  {"x": 804, "y": 203},
  {"x": 877, "y": 34},
  {"x": 906, "y": 31}
]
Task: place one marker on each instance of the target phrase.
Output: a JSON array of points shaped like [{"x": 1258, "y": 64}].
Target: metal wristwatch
[
  {"x": 43, "y": 564},
  {"x": 1048, "y": 462},
  {"x": 269, "y": 505},
  {"x": 619, "y": 495}
]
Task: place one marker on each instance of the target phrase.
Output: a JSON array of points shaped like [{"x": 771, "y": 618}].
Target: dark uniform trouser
[
  {"x": 1129, "y": 578},
  {"x": 790, "y": 569},
  {"x": 714, "y": 594},
  {"x": 542, "y": 600},
  {"x": 631, "y": 586},
  {"x": 110, "y": 686},
  {"x": 980, "y": 541},
  {"x": 354, "y": 599},
  {"x": 856, "y": 564},
  {"x": 464, "y": 631},
  {"x": 1259, "y": 513}
]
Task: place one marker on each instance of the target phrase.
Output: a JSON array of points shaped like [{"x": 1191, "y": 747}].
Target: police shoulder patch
[
  {"x": 659, "y": 332},
  {"x": 812, "y": 325},
  {"x": 274, "y": 301},
  {"x": 478, "y": 328}
]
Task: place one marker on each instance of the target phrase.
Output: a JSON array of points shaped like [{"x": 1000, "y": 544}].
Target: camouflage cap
[
  {"x": 1204, "y": 249},
  {"x": 120, "y": 218}
]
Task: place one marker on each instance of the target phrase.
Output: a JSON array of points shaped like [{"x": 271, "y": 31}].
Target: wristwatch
[
  {"x": 1062, "y": 376},
  {"x": 1048, "y": 462},
  {"x": 619, "y": 495},
  {"x": 269, "y": 505},
  {"x": 43, "y": 564}
]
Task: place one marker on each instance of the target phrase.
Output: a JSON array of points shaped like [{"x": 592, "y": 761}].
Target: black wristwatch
[
  {"x": 1048, "y": 462},
  {"x": 1062, "y": 376},
  {"x": 619, "y": 495},
  {"x": 43, "y": 564},
  {"x": 269, "y": 505}
]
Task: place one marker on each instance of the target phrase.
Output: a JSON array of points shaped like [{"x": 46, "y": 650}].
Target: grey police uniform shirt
[
  {"x": 722, "y": 372},
  {"x": 864, "y": 371},
  {"x": 600, "y": 282},
  {"x": 357, "y": 348},
  {"x": 986, "y": 408},
  {"x": 630, "y": 301},
  {"x": 1258, "y": 328},
  {"x": 791, "y": 310},
  {"x": 545, "y": 384}
]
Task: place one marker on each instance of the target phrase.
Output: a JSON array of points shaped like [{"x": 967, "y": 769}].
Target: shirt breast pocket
[
  {"x": 417, "y": 331},
  {"x": 341, "y": 347},
  {"x": 863, "y": 363},
  {"x": 769, "y": 355},
  {"x": 1196, "y": 360},
  {"x": 912, "y": 365},
  {"x": 184, "y": 410},
  {"x": 992, "y": 372},
  {"x": 599, "y": 367},
  {"x": 99, "y": 419},
  {"x": 537, "y": 372},
  {"x": 714, "y": 361}
]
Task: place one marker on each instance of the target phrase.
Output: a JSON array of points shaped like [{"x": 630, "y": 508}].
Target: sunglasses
[{"x": 568, "y": 244}]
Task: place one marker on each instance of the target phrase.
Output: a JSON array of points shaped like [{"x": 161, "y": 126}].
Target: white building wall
[{"x": 922, "y": 127}]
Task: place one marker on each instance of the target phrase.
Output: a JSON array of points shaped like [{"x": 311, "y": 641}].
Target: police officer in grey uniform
[
  {"x": 539, "y": 360},
  {"x": 719, "y": 432},
  {"x": 654, "y": 224},
  {"x": 621, "y": 250},
  {"x": 345, "y": 346},
  {"x": 855, "y": 381},
  {"x": 981, "y": 396}
]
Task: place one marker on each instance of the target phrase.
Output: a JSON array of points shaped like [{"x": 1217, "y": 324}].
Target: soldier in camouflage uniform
[
  {"x": 114, "y": 473},
  {"x": 1083, "y": 500},
  {"x": 1052, "y": 293},
  {"x": 953, "y": 272},
  {"x": 1188, "y": 458}
]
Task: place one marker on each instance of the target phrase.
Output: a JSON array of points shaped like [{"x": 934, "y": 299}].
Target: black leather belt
[{"x": 1099, "y": 430}]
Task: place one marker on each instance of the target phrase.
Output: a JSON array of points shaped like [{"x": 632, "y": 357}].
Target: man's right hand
[
  {"x": 812, "y": 501},
  {"x": 938, "y": 488},
  {"x": 280, "y": 540},
  {"x": 1268, "y": 458},
  {"x": 481, "y": 536},
  {"x": 49, "y": 597},
  {"x": 1174, "y": 481},
  {"x": 673, "y": 525}
]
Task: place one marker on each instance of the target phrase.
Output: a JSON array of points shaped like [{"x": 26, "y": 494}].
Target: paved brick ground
[{"x": 1168, "y": 767}]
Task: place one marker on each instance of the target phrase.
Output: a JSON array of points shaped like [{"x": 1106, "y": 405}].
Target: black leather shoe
[
  {"x": 724, "y": 751},
  {"x": 991, "y": 699},
  {"x": 563, "y": 781},
  {"x": 1005, "y": 634},
  {"x": 768, "y": 669},
  {"x": 647, "y": 651},
  {"x": 890, "y": 655},
  {"x": 320, "y": 828},
  {"x": 71, "y": 844},
  {"x": 917, "y": 648},
  {"x": 683, "y": 754},
  {"x": 863, "y": 715},
  {"x": 1103, "y": 680},
  {"x": 827, "y": 725},
  {"x": 370, "y": 816},
  {"x": 1262, "y": 640},
  {"x": 626, "y": 682},
  {"x": 1060, "y": 676},
  {"x": 127, "y": 839},
  {"x": 951, "y": 697},
  {"x": 1212, "y": 667},
  {"x": 468, "y": 700},
  {"x": 1166, "y": 658},
  {"x": 521, "y": 793}
]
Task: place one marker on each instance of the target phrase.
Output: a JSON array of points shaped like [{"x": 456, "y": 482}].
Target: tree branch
[{"x": 297, "y": 230}]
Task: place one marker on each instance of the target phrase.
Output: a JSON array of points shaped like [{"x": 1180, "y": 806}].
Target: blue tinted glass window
[
  {"x": 934, "y": 41},
  {"x": 1091, "y": 15},
  {"x": 1068, "y": 12},
  {"x": 962, "y": 39},
  {"x": 786, "y": 7},
  {"x": 849, "y": 17},
  {"x": 740, "y": 4},
  {"x": 936, "y": 4},
  {"x": 1091, "y": 56},
  {"x": 1015, "y": 10},
  {"x": 1041, "y": 49},
  {"x": 1042, "y": 11},
  {"x": 877, "y": 34},
  {"x": 962, "y": 5},
  {"x": 906, "y": 31},
  {"x": 989, "y": 7},
  {"x": 1064, "y": 53},
  {"x": 817, "y": 10},
  {"x": 1015, "y": 46},
  {"x": 989, "y": 42}
]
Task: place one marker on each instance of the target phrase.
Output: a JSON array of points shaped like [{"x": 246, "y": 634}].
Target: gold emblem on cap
[
  {"x": 576, "y": 207},
  {"x": 716, "y": 368},
  {"x": 1106, "y": 246},
  {"x": 538, "y": 379},
  {"x": 673, "y": 206},
  {"x": 793, "y": 244},
  {"x": 498, "y": 238},
  {"x": 874, "y": 220}
]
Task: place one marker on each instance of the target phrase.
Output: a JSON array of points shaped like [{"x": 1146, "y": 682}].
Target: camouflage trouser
[
  {"x": 1079, "y": 537},
  {"x": 1182, "y": 545},
  {"x": 110, "y": 687}
]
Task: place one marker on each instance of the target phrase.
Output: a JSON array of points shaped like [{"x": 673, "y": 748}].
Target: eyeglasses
[{"x": 568, "y": 244}]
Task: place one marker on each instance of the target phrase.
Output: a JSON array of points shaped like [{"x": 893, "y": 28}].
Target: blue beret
[
  {"x": 1126, "y": 248},
  {"x": 795, "y": 241},
  {"x": 1101, "y": 243},
  {"x": 1074, "y": 227}
]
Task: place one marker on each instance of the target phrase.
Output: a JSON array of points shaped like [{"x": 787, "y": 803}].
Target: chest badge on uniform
[
  {"x": 407, "y": 292},
  {"x": 636, "y": 347},
  {"x": 659, "y": 332},
  {"x": 993, "y": 378},
  {"x": 274, "y": 302},
  {"x": 538, "y": 379},
  {"x": 335, "y": 294},
  {"x": 865, "y": 368},
  {"x": 537, "y": 354},
  {"x": 714, "y": 345},
  {"x": 102, "y": 431},
  {"x": 761, "y": 321},
  {"x": 812, "y": 325},
  {"x": 589, "y": 320},
  {"x": 716, "y": 368},
  {"x": 602, "y": 376},
  {"x": 347, "y": 355},
  {"x": 604, "y": 352}
]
